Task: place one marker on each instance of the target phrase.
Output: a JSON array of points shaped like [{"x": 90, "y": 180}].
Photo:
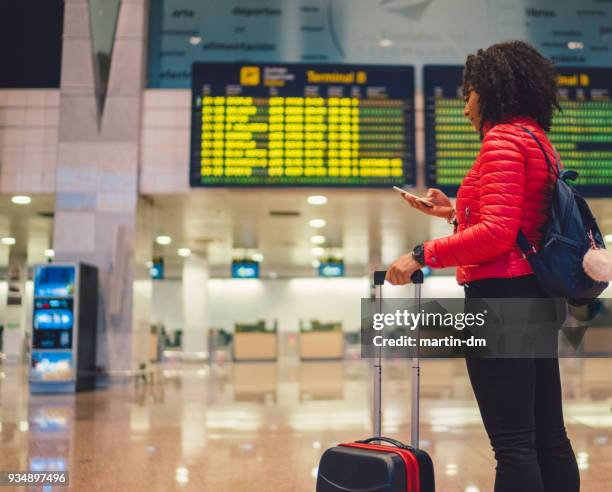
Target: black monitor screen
[
  {"x": 31, "y": 43},
  {"x": 581, "y": 132},
  {"x": 302, "y": 125}
]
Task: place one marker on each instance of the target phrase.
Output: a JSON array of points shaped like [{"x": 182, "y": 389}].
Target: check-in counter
[
  {"x": 321, "y": 341},
  {"x": 253, "y": 342}
]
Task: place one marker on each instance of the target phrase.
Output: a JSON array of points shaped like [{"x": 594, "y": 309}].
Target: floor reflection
[{"x": 263, "y": 426}]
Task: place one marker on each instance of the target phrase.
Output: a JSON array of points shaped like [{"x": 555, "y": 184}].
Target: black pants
[{"x": 520, "y": 405}]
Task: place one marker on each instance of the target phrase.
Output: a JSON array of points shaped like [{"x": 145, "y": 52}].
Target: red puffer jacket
[{"x": 508, "y": 187}]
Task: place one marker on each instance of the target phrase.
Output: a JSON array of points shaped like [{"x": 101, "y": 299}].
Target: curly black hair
[{"x": 512, "y": 79}]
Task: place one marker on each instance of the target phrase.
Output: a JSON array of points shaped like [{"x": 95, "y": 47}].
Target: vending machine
[{"x": 63, "y": 355}]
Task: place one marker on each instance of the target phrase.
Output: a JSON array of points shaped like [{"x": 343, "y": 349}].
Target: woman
[{"x": 506, "y": 87}]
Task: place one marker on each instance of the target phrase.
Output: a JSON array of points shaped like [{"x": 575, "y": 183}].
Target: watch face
[{"x": 419, "y": 253}]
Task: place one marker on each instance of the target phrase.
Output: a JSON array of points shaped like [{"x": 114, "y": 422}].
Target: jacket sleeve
[{"x": 502, "y": 188}]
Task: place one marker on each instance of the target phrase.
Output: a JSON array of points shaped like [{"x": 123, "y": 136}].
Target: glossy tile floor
[{"x": 262, "y": 427}]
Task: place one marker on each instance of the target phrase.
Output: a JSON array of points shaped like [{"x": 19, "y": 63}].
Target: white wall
[
  {"x": 29, "y": 122},
  {"x": 233, "y": 300}
]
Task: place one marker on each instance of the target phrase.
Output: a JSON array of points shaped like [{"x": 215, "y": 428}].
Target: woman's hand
[
  {"x": 401, "y": 270},
  {"x": 441, "y": 204}
]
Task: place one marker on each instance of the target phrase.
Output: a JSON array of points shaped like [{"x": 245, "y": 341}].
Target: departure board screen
[
  {"x": 581, "y": 132},
  {"x": 302, "y": 125}
]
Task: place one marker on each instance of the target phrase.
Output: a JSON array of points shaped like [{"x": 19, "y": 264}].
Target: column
[
  {"x": 14, "y": 317},
  {"x": 97, "y": 169},
  {"x": 195, "y": 305}
]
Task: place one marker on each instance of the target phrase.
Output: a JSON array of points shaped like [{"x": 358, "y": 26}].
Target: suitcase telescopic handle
[
  {"x": 388, "y": 440},
  {"x": 379, "y": 277},
  {"x": 379, "y": 280}
]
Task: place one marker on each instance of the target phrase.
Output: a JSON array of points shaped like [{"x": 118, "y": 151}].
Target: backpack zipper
[
  {"x": 467, "y": 216},
  {"x": 592, "y": 239}
]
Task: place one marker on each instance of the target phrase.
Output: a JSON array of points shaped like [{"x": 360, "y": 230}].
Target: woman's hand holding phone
[{"x": 442, "y": 206}]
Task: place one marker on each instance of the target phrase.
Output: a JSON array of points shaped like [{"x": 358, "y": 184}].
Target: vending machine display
[
  {"x": 64, "y": 328},
  {"x": 53, "y": 323}
]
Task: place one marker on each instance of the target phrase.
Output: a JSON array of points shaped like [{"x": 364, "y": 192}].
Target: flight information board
[
  {"x": 581, "y": 132},
  {"x": 302, "y": 125}
]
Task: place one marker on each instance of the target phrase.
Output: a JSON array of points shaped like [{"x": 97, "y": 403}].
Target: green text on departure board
[{"x": 581, "y": 132}]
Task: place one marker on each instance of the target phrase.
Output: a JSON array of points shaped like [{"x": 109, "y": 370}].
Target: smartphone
[{"x": 418, "y": 198}]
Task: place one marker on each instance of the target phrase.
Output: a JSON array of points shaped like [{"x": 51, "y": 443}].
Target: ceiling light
[
  {"x": 317, "y": 200},
  {"x": 317, "y": 223},
  {"x": 608, "y": 238},
  {"x": 184, "y": 252},
  {"x": 21, "y": 200},
  {"x": 575, "y": 45},
  {"x": 317, "y": 239},
  {"x": 316, "y": 263},
  {"x": 317, "y": 251},
  {"x": 386, "y": 43},
  {"x": 195, "y": 40},
  {"x": 163, "y": 240},
  {"x": 49, "y": 253},
  {"x": 258, "y": 257},
  {"x": 9, "y": 241}
]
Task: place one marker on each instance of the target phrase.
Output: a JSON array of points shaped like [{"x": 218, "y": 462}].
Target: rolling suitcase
[{"x": 369, "y": 465}]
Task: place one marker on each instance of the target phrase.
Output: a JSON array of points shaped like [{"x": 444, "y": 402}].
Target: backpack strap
[
  {"x": 556, "y": 169},
  {"x": 523, "y": 243}
]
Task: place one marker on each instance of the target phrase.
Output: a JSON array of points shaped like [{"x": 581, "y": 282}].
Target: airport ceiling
[
  {"x": 222, "y": 224},
  {"x": 361, "y": 225},
  {"x": 226, "y": 224}
]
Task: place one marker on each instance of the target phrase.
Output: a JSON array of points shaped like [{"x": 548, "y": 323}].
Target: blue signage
[
  {"x": 406, "y": 32},
  {"x": 245, "y": 269},
  {"x": 157, "y": 269},
  {"x": 331, "y": 269}
]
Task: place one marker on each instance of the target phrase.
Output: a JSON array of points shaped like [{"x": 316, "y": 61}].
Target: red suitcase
[{"x": 364, "y": 466}]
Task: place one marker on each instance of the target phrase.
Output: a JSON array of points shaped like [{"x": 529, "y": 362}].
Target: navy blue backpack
[{"x": 570, "y": 232}]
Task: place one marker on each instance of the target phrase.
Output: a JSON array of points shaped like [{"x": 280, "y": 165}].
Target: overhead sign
[
  {"x": 581, "y": 132},
  {"x": 302, "y": 125}
]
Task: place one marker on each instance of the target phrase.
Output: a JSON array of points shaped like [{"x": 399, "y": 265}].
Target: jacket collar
[{"x": 515, "y": 120}]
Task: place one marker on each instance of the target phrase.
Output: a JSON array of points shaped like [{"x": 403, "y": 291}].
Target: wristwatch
[{"x": 418, "y": 253}]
